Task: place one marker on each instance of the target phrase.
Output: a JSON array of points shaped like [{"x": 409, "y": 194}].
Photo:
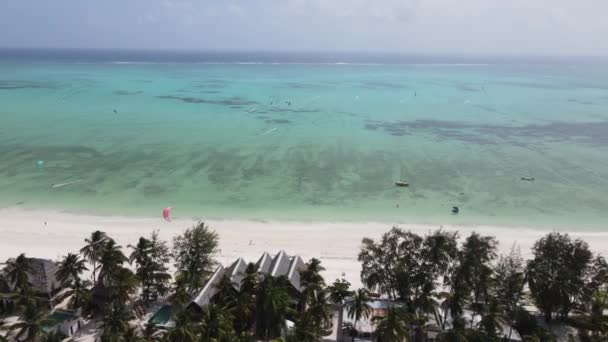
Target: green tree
[
  {"x": 53, "y": 337},
  {"x": 406, "y": 266},
  {"x": 18, "y": 270},
  {"x": 310, "y": 277},
  {"x": 273, "y": 307},
  {"x": 180, "y": 296},
  {"x": 393, "y": 326},
  {"x": 70, "y": 268},
  {"x": 133, "y": 334},
  {"x": 184, "y": 330},
  {"x": 358, "y": 307},
  {"x": 80, "y": 296},
  {"x": 91, "y": 251},
  {"x": 339, "y": 291},
  {"x": 151, "y": 257},
  {"x": 245, "y": 302},
  {"x": 194, "y": 253},
  {"x": 509, "y": 281},
  {"x": 29, "y": 327},
  {"x": 115, "y": 323},
  {"x": 475, "y": 264},
  {"x": 558, "y": 274},
  {"x": 217, "y": 324},
  {"x": 111, "y": 260}
]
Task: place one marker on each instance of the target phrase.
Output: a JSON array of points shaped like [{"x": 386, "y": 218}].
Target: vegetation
[
  {"x": 151, "y": 257},
  {"x": 462, "y": 285},
  {"x": 193, "y": 252}
]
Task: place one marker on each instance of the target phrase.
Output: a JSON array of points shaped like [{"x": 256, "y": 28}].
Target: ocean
[{"x": 307, "y": 137}]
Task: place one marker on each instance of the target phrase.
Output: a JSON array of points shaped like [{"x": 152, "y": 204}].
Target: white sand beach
[{"x": 336, "y": 244}]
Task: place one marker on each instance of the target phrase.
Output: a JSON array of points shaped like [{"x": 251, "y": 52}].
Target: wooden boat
[{"x": 401, "y": 183}]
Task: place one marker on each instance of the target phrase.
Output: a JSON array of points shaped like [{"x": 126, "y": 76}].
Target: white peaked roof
[
  {"x": 264, "y": 263},
  {"x": 280, "y": 265},
  {"x": 297, "y": 265},
  {"x": 210, "y": 289},
  {"x": 236, "y": 272}
]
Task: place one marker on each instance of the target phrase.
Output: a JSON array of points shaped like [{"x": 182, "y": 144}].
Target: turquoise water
[
  {"x": 309, "y": 141},
  {"x": 162, "y": 316}
]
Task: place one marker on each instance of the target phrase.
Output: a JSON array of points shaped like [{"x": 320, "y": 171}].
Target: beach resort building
[
  {"x": 278, "y": 265},
  {"x": 66, "y": 322},
  {"x": 45, "y": 285}
]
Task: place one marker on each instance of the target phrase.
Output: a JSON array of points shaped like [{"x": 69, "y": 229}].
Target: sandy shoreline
[{"x": 336, "y": 244}]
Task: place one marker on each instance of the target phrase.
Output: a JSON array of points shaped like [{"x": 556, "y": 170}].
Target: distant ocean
[{"x": 307, "y": 136}]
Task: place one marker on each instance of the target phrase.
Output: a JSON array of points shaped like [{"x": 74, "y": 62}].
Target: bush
[{"x": 525, "y": 323}]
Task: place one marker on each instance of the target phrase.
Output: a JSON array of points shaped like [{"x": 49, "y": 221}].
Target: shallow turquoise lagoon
[{"x": 312, "y": 142}]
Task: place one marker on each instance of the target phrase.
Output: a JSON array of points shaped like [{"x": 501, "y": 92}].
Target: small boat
[
  {"x": 401, "y": 183},
  {"x": 527, "y": 179}
]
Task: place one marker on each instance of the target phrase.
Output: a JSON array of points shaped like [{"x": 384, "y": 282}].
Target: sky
[{"x": 474, "y": 27}]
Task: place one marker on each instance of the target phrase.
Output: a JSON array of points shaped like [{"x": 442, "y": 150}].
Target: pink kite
[{"x": 166, "y": 213}]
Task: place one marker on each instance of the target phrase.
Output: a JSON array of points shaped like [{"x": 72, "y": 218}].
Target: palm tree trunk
[{"x": 94, "y": 272}]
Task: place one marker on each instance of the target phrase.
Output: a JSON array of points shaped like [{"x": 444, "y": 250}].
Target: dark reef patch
[
  {"x": 278, "y": 121},
  {"x": 296, "y": 85},
  {"x": 231, "y": 101},
  {"x": 577, "y": 101},
  {"x": 381, "y": 85},
  {"x": 467, "y": 87},
  {"x": 594, "y": 133},
  {"x": 291, "y": 110},
  {"x": 17, "y": 85},
  {"x": 126, "y": 92}
]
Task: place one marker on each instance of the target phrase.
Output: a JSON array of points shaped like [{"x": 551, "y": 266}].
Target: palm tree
[
  {"x": 91, "y": 251},
  {"x": 3, "y": 328},
  {"x": 111, "y": 260},
  {"x": 53, "y": 337},
  {"x": 320, "y": 310},
  {"x": 114, "y": 324},
  {"x": 70, "y": 268},
  {"x": 29, "y": 328},
  {"x": 311, "y": 281},
  {"x": 133, "y": 334},
  {"x": 181, "y": 296},
  {"x": 244, "y": 302},
  {"x": 80, "y": 295},
  {"x": 217, "y": 324},
  {"x": 273, "y": 307},
  {"x": 151, "y": 333},
  {"x": 393, "y": 326},
  {"x": 358, "y": 308},
  {"x": 185, "y": 330},
  {"x": 18, "y": 270}
]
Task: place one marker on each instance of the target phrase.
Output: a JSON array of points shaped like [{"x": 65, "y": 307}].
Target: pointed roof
[
  {"x": 210, "y": 289},
  {"x": 264, "y": 263},
  {"x": 236, "y": 272},
  {"x": 42, "y": 276},
  {"x": 280, "y": 265},
  {"x": 297, "y": 265}
]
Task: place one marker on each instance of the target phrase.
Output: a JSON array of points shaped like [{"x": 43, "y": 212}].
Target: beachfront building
[
  {"x": 364, "y": 327},
  {"x": 66, "y": 322},
  {"x": 47, "y": 289},
  {"x": 279, "y": 265}
]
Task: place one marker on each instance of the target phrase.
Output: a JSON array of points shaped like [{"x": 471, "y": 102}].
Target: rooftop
[{"x": 279, "y": 265}]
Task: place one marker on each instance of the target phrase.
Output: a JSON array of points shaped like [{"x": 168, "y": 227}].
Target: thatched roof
[{"x": 42, "y": 277}]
